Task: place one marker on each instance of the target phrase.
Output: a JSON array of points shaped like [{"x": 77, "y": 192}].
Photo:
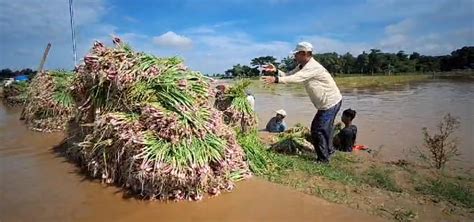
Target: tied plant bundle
[
  {"x": 296, "y": 140},
  {"x": 147, "y": 124},
  {"x": 237, "y": 111},
  {"x": 15, "y": 94},
  {"x": 49, "y": 104}
]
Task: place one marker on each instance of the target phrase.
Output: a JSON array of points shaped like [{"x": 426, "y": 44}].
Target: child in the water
[{"x": 345, "y": 139}]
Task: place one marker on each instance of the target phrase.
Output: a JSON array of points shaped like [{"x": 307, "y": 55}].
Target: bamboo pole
[{"x": 43, "y": 60}]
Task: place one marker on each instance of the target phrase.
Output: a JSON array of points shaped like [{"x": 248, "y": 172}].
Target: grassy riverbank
[
  {"x": 359, "y": 82},
  {"x": 349, "y": 82},
  {"x": 400, "y": 191}
]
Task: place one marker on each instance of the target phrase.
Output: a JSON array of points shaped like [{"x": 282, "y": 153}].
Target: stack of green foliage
[
  {"x": 147, "y": 124},
  {"x": 15, "y": 93},
  {"x": 294, "y": 141},
  {"x": 49, "y": 103},
  {"x": 236, "y": 108},
  {"x": 259, "y": 158}
]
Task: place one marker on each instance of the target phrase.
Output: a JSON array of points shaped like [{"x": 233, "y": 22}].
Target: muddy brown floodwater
[
  {"x": 391, "y": 119},
  {"x": 36, "y": 184}
]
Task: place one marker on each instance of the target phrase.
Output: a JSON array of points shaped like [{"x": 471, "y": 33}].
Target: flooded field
[{"x": 37, "y": 184}]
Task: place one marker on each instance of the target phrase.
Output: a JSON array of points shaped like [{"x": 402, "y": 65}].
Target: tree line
[
  {"x": 368, "y": 63},
  {"x": 8, "y": 73}
]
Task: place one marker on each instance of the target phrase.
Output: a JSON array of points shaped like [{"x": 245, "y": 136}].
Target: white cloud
[
  {"x": 416, "y": 34},
  {"x": 201, "y": 30},
  {"x": 213, "y": 53},
  {"x": 403, "y": 27},
  {"x": 430, "y": 43},
  {"x": 394, "y": 42},
  {"x": 173, "y": 40},
  {"x": 220, "y": 52},
  {"x": 130, "y": 19},
  {"x": 28, "y": 25},
  {"x": 424, "y": 26},
  {"x": 324, "y": 44}
]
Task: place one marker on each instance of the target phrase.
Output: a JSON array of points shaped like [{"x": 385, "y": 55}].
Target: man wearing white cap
[
  {"x": 321, "y": 89},
  {"x": 276, "y": 123}
]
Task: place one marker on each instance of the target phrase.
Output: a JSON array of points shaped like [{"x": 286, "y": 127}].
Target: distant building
[{"x": 21, "y": 78}]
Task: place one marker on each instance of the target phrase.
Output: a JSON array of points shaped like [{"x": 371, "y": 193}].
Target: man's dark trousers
[{"x": 322, "y": 130}]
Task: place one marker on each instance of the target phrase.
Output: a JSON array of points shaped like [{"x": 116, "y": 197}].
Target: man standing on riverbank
[{"x": 321, "y": 89}]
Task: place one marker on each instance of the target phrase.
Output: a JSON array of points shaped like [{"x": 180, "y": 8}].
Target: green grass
[
  {"x": 331, "y": 195},
  {"x": 400, "y": 214},
  {"x": 452, "y": 191},
  {"x": 381, "y": 178},
  {"x": 287, "y": 165},
  {"x": 378, "y": 81},
  {"x": 260, "y": 160},
  {"x": 335, "y": 181},
  {"x": 349, "y": 82},
  {"x": 341, "y": 169}
]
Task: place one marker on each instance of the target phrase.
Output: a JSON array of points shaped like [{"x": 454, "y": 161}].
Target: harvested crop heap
[
  {"x": 294, "y": 141},
  {"x": 146, "y": 123},
  {"x": 260, "y": 160},
  {"x": 236, "y": 108},
  {"x": 49, "y": 103},
  {"x": 15, "y": 93}
]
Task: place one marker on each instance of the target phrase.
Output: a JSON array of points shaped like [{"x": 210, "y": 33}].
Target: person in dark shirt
[
  {"x": 276, "y": 124},
  {"x": 345, "y": 139}
]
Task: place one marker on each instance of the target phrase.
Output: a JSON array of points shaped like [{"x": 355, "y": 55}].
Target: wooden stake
[{"x": 43, "y": 60}]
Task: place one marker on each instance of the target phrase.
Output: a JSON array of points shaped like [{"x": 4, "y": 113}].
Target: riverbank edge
[{"x": 403, "y": 190}]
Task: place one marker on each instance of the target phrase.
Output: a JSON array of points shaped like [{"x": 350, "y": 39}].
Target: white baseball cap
[
  {"x": 303, "y": 46},
  {"x": 281, "y": 112}
]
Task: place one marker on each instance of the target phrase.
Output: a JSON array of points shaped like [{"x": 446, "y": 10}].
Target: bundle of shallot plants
[
  {"x": 15, "y": 94},
  {"x": 49, "y": 103},
  {"x": 147, "y": 125},
  {"x": 295, "y": 140},
  {"x": 236, "y": 108}
]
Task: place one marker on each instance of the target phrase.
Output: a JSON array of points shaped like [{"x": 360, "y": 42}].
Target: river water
[
  {"x": 36, "y": 184},
  {"x": 390, "y": 119}
]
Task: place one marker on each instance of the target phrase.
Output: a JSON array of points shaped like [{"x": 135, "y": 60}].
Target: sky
[{"x": 212, "y": 36}]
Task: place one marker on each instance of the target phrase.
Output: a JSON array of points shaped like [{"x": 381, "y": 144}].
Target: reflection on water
[{"x": 392, "y": 118}]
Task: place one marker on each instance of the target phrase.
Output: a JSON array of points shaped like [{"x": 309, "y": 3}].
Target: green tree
[
  {"x": 375, "y": 61},
  {"x": 462, "y": 58},
  {"x": 240, "y": 71},
  {"x": 262, "y": 60},
  {"x": 402, "y": 56},
  {"x": 390, "y": 63},
  {"x": 362, "y": 63},
  {"x": 348, "y": 63},
  {"x": 429, "y": 64},
  {"x": 287, "y": 64},
  {"x": 330, "y": 61}
]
